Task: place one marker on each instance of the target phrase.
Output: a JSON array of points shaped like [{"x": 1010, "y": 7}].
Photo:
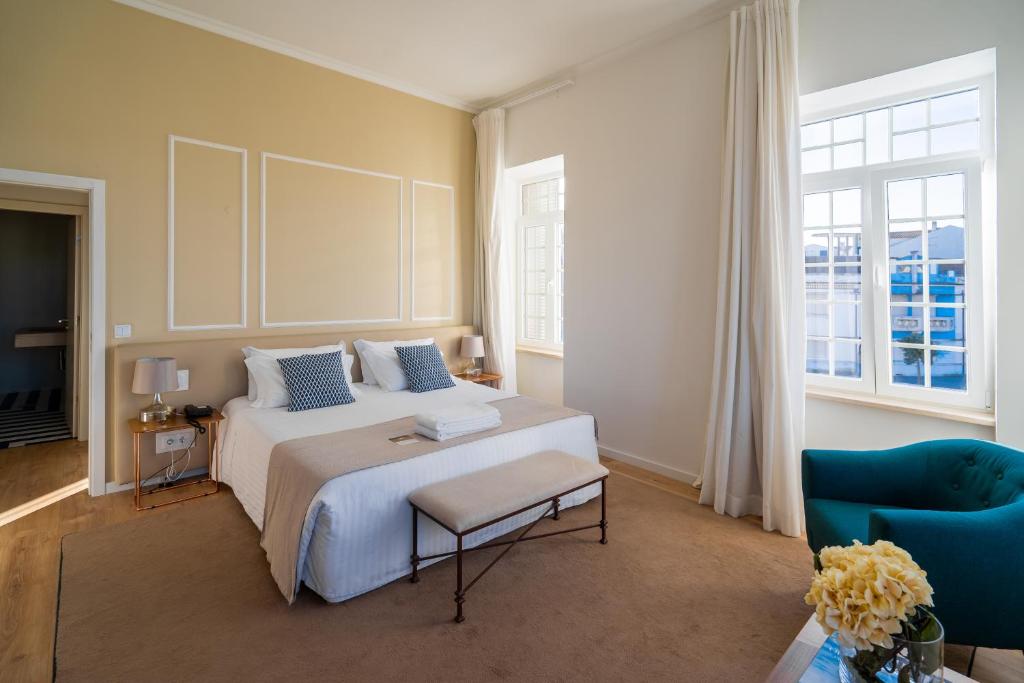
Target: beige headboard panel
[{"x": 217, "y": 374}]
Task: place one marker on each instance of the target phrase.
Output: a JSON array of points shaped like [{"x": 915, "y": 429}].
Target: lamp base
[{"x": 157, "y": 412}]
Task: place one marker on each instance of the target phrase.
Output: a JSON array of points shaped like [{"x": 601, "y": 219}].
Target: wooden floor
[{"x": 29, "y": 555}]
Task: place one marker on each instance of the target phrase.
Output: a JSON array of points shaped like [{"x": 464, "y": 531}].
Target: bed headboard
[{"x": 217, "y": 374}]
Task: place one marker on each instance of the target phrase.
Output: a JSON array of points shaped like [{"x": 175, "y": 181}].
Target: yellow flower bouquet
[{"x": 875, "y": 599}]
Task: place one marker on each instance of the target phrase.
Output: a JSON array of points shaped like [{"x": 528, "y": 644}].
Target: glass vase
[{"x": 905, "y": 662}]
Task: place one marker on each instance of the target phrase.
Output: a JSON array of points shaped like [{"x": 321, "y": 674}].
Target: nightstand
[
  {"x": 212, "y": 424},
  {"x": 489, "y": 378}
]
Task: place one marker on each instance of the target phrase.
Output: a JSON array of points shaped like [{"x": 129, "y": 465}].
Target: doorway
[{"x": 51, "y": 373}]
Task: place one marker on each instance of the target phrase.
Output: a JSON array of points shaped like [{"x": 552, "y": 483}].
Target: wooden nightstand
[
  {"x": 212, "y": 424},
  {"x": 489, "y": 378}
]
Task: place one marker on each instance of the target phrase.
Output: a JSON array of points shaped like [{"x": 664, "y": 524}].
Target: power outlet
[
  {"x": 177, "y": 440},
  {"x": 182, "y": 380}
]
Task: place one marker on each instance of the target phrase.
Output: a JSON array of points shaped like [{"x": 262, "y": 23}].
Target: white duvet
[{"x": 357, "y": 534}]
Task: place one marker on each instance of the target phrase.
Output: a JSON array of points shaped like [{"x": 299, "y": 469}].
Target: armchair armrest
[
  {"x": 883, "y": 477},
  {"x": 974, "y": 562}
]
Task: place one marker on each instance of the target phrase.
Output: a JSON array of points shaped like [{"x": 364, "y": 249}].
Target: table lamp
[
  {"x": 152, "y": 376},
  {"x": 473, "y": 347}
]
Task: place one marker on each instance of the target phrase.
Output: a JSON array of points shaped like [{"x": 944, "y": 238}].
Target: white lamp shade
[
  {"x": 472, "y": 346},
  {"x": 155, "y": 375}
]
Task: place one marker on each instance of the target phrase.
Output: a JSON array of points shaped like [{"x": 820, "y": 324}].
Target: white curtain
[
  {"x": 493, "y": 293},
  {"x": 756, "y": 422}
]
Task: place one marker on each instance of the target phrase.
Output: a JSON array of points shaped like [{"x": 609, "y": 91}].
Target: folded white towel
[
  {"x": 445, "y": 434},
  {"x": 459, "y": 418}
]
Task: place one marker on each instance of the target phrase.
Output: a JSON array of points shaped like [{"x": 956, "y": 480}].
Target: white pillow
[
  {"x": 271, "y": 391},
  {"x": 380, "y": 362},
  {"x": 288, "y": 353}
]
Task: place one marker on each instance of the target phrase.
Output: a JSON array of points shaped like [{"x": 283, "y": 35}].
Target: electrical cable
[{"x": 169, "y": 470}]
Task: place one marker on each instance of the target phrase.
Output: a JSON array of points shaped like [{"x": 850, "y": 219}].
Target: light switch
[
  {"x": 182, "y": 380},
  {"x": 122, "y": 331}
]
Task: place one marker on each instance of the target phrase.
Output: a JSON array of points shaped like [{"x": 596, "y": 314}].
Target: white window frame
[
  {"x": 978, "y": 167},
  {"x": 549, "y": 220}
]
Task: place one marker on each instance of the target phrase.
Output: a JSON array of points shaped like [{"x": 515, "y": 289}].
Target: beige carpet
[{"x": 679, "y": 593}]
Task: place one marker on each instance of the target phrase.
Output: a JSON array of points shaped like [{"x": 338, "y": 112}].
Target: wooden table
[
  {"x": 489, "y": 378},
  {"x": 805, "y": 646},
  {"x": 139, "y": 428}
]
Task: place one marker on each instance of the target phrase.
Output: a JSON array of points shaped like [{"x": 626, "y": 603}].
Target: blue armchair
[{"x": 956, "y": 505}]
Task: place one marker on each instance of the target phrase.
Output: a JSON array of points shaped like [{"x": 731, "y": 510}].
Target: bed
[{"x": 357, "y": 531}]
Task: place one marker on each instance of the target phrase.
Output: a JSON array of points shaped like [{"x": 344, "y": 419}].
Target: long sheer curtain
[
  {"x": 756, "y": 422},
  {"x": 494, "y": 298}
]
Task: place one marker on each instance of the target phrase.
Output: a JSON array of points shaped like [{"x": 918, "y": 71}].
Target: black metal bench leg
[
  {"x": 555, "y": 516},
  {"x": 415, "y": 559},
  {"x": 604, "y": 515},
  {"x": 459, "y": 593}
]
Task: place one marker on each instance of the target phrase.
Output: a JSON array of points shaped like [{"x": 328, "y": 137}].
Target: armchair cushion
[{"x": 838, "y": 522}]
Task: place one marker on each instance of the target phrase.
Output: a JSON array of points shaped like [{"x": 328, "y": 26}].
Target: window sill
[
  {"x": 985, "y": 418},
  {"x": 550, "y": 353}
]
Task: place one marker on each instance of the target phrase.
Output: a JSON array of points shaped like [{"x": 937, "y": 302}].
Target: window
[
  {"x": 893, "y": 247},
  {"x": 540, "y": 227}
]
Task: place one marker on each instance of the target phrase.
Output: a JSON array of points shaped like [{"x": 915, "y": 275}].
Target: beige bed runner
[{"x": 300, "y": 467}]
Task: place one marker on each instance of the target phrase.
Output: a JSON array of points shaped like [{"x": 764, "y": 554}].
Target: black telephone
[{"x": 192, "y": 413}]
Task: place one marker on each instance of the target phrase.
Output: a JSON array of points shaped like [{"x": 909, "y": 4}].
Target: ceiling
[{"x": 466, "y": 53}]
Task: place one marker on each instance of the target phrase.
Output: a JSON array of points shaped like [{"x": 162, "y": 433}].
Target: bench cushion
[{"x": 479, "y": 497}]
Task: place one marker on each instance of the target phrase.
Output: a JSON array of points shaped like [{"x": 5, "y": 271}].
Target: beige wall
[
  {"x": 94, "y": 88},
  {"x": 539, "y": 376}
]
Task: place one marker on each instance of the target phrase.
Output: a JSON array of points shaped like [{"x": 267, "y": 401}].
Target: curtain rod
[{"x": 536, "y": 93}]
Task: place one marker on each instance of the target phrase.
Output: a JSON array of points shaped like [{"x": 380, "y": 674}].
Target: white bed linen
[{"x": 357, "y": 534}]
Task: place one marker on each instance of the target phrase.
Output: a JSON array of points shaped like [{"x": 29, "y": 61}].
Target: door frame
[{"x": 97, "y": 342}]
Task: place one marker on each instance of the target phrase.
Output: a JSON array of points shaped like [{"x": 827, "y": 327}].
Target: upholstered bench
[{"x": 477, "y": 500}]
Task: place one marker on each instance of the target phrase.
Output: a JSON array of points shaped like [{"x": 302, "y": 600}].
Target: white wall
[
  {"x": 829, "y": 426},
  {"x": 844, "y": 42},
  {"x": 539, "y": 376},
  {"x": 642, "y": 144}
]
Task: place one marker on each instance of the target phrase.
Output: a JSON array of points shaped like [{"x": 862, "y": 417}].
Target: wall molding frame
[
  {"x": 412, "y": 253},
  {"x": 264, "y": 322},
  {"x": 97, "y": 353},
  {"x": 244, "y": 285}
]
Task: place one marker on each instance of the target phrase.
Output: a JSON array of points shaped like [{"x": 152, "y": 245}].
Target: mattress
[{"x": 357, "y": 534}]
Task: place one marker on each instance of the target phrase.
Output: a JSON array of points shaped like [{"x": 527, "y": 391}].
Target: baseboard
[
  {"x": 114, "y": 487},
  {"x": 665, "y": 470}
]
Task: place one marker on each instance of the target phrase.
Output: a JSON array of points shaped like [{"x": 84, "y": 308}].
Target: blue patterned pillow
[
  {"x": 315, "y": 381},
  {"x": 424, "y": 368}
]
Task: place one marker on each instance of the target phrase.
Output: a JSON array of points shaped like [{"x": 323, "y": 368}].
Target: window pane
[
  {"x": 907, "y": 324},
  {"x": 816, "y": 283},
  {"x": 535, "y": 236},
  {"x": 848, "y": 363},
  {"x": 848, "y": 155},
  {"x": 816, "y": 209},
  {"x": 817, "y": 320},
  {"x": 815, "y": 134},
  {"x": 946, "y": 239},
  {"x": 956, "y": 107},
  {"x": 816, "y": 246},
  {"x": 847, "y": 245},
  {"x": 947, "y": 326},
  {"x": 909, "y": 145},
  {"x": 846, "y": 207},
  {"x": 847, "y": 283},
  {"x": 946, "y": 195},
  {"x": 946, "y": 283},
  {"x": 906, "y": 283},
  {"x": 817, "y": 357},
  {"x": 905, "y": 199},
  {"x": 905, "y": 241},
  {"x": 908, "y": 366},
  {"x": 912, "y": 115},
  {"x": 535, "y": 259},
  {"x": 535, "y": 328},
  {"x": 540, "y": 197},
  {"x": 877, "y": 136},
  {"x": 949, "y": 370},
  {"x": 816, "y": 160},
  {"x": 847, "y": 320},
  {"x": 536, "y": 305},
  {"x": 958, "y": 138},
  {"x": 536, "y": 282},
  {"x": 848, "y": 128}
]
